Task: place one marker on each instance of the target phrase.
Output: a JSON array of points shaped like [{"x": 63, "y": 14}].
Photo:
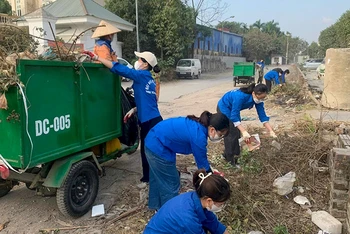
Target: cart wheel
[
  {"x": 234, "y": 82},
  {"x": 5, "y": 187},
  {"x": 79, "y": 191}
]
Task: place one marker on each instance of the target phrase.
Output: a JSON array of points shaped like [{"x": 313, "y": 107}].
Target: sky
[{"x": 302, "y": 18}]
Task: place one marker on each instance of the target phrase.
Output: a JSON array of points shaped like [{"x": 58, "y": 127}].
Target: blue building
[{"x": 219, "y": 43}]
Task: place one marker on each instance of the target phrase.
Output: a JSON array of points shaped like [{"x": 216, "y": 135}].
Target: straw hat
[
  {"x": 104, "y": 31},
  {"x": 148, "y": 56}
]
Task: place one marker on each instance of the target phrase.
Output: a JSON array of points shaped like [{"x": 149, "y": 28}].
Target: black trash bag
[{"x": 130, "y": 129}]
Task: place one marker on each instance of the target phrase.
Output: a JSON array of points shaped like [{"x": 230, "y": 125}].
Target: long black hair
[
  {"x": 218, "y": 120},
  {"x": 214, "y": 186},
  {"x": 257, "y": 89}
]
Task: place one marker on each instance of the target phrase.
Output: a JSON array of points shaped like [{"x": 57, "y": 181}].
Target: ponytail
[
  {"x": 213, "y": 186},
  {"x": 204, "y": 119},
  {"x": 156, "y": 69},
  {"x": 248, "y": 89}
]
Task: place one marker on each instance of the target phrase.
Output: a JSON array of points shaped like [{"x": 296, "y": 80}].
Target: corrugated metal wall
[{"x": 229, "y": 43}]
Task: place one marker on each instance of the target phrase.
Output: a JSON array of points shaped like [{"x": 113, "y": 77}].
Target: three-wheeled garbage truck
[
  {"x": 243, "y": 72},
  {"x": 64, "y": 119}
]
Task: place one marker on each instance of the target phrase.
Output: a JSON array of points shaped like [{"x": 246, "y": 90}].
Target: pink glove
[
  {"x": 91, "y": 55},
  {"x": 129, "y": 114},
  {"x": 216, "y": 172}
]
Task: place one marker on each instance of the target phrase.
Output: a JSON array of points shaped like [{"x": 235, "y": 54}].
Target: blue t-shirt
[
  {"x": 144, "y": 91},
  {"x": 179, "y": 135},
  {"x": 272, "y": 75},
  {"x": 184, "y": 214},
  {"x": 234, "y": 101}
]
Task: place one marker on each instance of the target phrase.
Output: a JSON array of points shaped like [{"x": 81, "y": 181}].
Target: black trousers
[
  {"x": 231, "y": 143},
  {"x": 145, "y": 128},
  {"x": 261, "y": 76},
  {"x": 268, "y": 84}
]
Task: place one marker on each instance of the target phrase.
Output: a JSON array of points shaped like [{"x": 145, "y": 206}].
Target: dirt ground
[{"x": 254, "y": 204}]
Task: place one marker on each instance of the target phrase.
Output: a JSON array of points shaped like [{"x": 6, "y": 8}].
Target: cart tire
[
  {"x": 5, "y": 188},
  {"x": 78, "y": 192},
  {"x": 234, "y": 82}
]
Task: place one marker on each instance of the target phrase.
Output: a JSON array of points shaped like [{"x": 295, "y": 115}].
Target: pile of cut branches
[{"x": 254, "y": 204}]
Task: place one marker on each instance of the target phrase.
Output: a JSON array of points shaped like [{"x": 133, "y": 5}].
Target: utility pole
[
  {"x": 137, "y": 28},
  {"x": 288, "y": 35}
]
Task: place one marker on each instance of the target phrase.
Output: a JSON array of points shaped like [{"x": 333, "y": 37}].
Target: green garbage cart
[
  {"x": 243, "y": 72},
  {"x": 63, "y": 120}
]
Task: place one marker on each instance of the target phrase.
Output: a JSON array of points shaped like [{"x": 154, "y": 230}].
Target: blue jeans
[{"x": 164, "y": 181}]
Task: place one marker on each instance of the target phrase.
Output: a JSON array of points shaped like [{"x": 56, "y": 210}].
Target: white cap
[
  {"x": 104, "y": 30},
  {"x": 148, "y": 56}
]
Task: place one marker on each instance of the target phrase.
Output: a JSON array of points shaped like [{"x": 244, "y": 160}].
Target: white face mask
[
  {"x": 137, "y": 65},
  {"x": 257, "y": 101},
  {"x": 215, "y": 208},
  {"x": 215, "y": 139}
]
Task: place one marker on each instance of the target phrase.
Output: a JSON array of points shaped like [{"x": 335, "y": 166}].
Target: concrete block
[
  {"x": 338, "y": 204},
  {"x": 343, "y": 140},
  {"x": 340, "y": 184},
  {"x": 326, "y": 222},
  {"x": 339, "y": 175},
  {"x": 339, "y": 194},
  {"x": 339, "y": 214}
]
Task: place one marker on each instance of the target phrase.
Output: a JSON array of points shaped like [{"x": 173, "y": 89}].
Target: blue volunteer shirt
[
  {"x": 144, "y": 91},
  {"x": 283, "y": 77},
  {"x": 262, "y": 64},
  {"x": 179, "y": 135},
  {"x": 184, "y": 214},
  {"x": 272, "y": 75},
  {"x": 234, "y": 101}
]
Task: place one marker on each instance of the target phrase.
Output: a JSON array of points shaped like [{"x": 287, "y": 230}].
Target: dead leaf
[
  {"x": 3, "y": 102},
  {"x": 3, "y": 226}
]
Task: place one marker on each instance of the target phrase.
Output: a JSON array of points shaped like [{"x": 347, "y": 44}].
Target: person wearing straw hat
[
  {"x": 145, "y": 96},
  {"x": 104, "y": 35}
]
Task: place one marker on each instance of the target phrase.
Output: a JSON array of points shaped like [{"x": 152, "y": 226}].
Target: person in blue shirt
[
  {"x": 231, "y": 105},
  {"x": 283, "y": 76},
  {"x": 145, "y": 96},
  {"x": 272, "y": 76},
  {"x": 183, "y": 135},
  {"x": 192, "y": 212},
  {"x": 260, "y": 66}
]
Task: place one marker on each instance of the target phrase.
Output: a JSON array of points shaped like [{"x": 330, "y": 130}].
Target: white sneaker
[{"x": 142, "y": 185}]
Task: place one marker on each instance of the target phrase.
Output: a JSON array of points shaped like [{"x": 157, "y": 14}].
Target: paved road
[
  {"x": 314, "y": 83},
  {"x": 177, "y": 88}
]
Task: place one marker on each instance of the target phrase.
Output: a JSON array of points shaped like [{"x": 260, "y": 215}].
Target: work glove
[
  {"x": 216, "y": 172},
  {"x": 273, "y": 134},
  {"x": 129, "y": 114},
  {"x": 245, "y": 135},
  {"x": 93, "y": 56}
]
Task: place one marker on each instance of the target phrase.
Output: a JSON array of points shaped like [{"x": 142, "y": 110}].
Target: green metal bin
[
  {"x": 243, "y": 72},
  {"x": 70, "y": 108}
]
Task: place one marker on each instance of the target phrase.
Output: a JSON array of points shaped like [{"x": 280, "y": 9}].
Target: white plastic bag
[{"x": 284, "y": 184}]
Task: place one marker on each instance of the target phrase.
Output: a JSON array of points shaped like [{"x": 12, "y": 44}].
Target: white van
[{"x": 189, "y": 68}]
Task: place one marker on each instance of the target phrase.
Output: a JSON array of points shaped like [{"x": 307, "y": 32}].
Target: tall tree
[
  {"x": 171, "y": 27},
  {"x": 314, "y": 50},
  {"x": 5, "y": 7},
  {"x": 257, "y": 45},
  {"x": 271, "y": 27},
  {"x": 258, "y": 24},
  {"x": 126, "y": 9},
  {"x": 328, "y": 39},
  {"x": 342, "y": 28}
]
